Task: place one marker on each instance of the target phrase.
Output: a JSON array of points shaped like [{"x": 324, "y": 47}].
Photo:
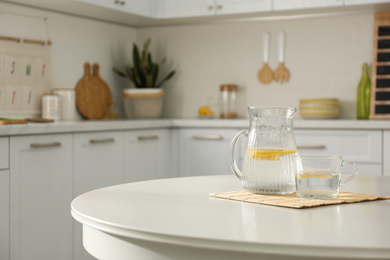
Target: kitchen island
[{"x": 176, "y": 219}]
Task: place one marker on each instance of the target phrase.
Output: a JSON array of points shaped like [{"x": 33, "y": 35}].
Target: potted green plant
[{"x": 145, "y": 100}]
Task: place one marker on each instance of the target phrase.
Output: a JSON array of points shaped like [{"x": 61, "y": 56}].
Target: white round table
[{"x": 176, "y": 219}]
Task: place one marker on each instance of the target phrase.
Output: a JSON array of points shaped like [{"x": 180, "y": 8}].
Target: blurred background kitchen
[{"x": 324, "y": 51}]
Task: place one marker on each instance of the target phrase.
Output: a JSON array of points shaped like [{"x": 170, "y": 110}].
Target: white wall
[
  {"x": 75, "y": 41},
  {"x": 324, "y": 56}
]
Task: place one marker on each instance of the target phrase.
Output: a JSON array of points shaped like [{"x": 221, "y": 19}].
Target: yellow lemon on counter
[{"x": 205, "y": 111}]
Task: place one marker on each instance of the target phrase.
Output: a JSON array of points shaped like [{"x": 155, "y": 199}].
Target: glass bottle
[{"x": 364, "y": 94}]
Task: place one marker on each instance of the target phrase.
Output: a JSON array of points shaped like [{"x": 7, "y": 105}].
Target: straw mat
[{"x": 293, "y": 201}]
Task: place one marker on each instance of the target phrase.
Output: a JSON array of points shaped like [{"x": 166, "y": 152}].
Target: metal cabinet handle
[
  {"x": 45, "y": 145},
  {"x": 119, "y": 2},
  {"x": 150, "y": 137},
  {"x": 219, "y": 7},
  {"x": 207, "y": 137},
  {"x": 210, "y": 7},
  {"x": 321, "y": 146},
  {"x": 100, "y": 141}
]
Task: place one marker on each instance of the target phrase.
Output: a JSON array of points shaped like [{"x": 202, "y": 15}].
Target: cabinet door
[
  {"x": 280, "y": 5},
  {"x": 188, "y": 8},
  {"x": 361, "y": 146},
  {"x": 243, "y": 6},
  {"x": 4, "y": 153},
  {"x": 4, "y": 214},
  {"x": 205, "y": 151},
  {"x": 148, "y": 155},
  {"x": 386, "y": 152},
  {"x": 137, "y": 7},
  {"x": 41, "y": 193},
  {"x": 365, "y": 2},
  {"x": 98, "y": 160}
]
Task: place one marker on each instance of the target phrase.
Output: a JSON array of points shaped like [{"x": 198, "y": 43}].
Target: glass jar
[
  {"x": 112, "y": 111},
  {"x": 228, "y": 100}
]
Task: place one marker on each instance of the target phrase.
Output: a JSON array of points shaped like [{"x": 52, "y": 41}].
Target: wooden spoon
[
  {"x": 281, "y": 73},
  {"x": 265, "y": 74}
]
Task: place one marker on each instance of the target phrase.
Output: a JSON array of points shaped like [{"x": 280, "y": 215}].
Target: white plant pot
[{"x": 143, "y": 103}]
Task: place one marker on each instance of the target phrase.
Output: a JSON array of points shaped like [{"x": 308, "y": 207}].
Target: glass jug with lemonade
[{"x": 269, "y": 161}]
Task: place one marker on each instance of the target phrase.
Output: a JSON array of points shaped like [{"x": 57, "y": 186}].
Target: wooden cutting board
[
  {"x": 93, "y": 96},
  {"x": 10, "y": 121}
]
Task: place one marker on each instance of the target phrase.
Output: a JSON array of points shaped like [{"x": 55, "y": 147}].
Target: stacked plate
[{"x": 319, "y": 108}]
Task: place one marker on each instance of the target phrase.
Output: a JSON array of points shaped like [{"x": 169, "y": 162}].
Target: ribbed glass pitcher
[{"x": 269, "y": 164}]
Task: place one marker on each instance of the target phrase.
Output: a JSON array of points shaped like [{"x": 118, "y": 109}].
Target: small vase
[{"x": 143, "y": 103}]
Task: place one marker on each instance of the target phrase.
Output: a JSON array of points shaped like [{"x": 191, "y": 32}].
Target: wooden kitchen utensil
[
  {"x": 265, "y": 74},
  {"x": 281, "y": 73},
  {"x": 100, "y": 81},
  {"x": 40, "y": 120},
  {"x": 11, "y": 121},
  {"x": 92, "y": 94}
]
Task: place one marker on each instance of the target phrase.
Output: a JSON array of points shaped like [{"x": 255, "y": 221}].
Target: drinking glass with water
[{"x": 319, "y": 176}]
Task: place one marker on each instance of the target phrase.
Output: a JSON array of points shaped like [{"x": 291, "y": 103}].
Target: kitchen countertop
[{"x": 127, "y": 124}]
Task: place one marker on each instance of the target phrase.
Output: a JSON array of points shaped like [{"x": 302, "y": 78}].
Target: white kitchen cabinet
[
  {"x": 361, "y": 146},
  {"x": 147, "y": 155},
  {"x": 242, "y": 6},
  {"x": 40, "y": 195},
  {"x": 4, "y": 214},
  {"x": 205, "y": 151},
  {"x": 137, "y": 7},
  {"x": 193, "y": 8},
  {"x": 365, "y": 2},
  {"x": 284, "y": 5},
  {"x": 386, "y": 152},
  {"x": 98, "y": 159},
  {"x": 4, "y": 198},
  {"x": 98, "y": 162}
]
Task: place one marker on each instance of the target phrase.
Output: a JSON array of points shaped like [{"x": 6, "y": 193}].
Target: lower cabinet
[
  {"x": 40, "y": 194},
  {"x": 98, "y": 160},
  {"x": 4, "y": 198},
  {"x": 361, "y": 146},
  {"x": 205, "y": 151},
  {"x": 4, "y": 214},
  {"x": 386, "y": 152},
  {"x": 147, "y": 155}
]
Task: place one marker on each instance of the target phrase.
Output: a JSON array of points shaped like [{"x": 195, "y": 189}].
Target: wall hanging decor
[{"x": 24, "y": 65}]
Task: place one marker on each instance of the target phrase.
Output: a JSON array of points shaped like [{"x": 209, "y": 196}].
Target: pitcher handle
[
  {"x": 342, "y": 182},
  {"x": 233, "y": 164}
]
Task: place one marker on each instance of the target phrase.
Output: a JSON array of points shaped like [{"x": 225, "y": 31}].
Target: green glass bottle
[{"x": 364, "y": 94}]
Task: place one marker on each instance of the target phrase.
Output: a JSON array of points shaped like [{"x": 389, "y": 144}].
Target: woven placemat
[{"x": 293, "y": 201}]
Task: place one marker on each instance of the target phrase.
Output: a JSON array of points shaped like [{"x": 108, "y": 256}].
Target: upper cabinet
[
  {"x": 280, "y": 5},
  {"x": 180, "y": 8},
  {"x": 140, "y": 13},
  {"x": 242, "y": 6},
  {"x": 137, "y": 7},
  {"x": 194, "y": 8}
]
